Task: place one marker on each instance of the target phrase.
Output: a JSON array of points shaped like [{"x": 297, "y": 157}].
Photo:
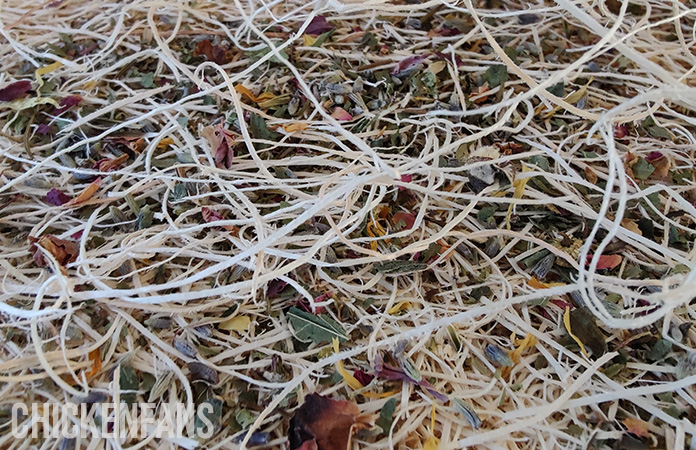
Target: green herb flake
[
  {"x": 386, "y": 416},
  {"x": 496, "y": 75},
  {"x": 315, "y": 328}
]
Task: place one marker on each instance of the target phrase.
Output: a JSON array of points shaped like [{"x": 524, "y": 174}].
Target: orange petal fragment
[
  {"x": 86, "y": 193},
  {"x": 636, "y": 426},
  {"x": 297, "y": 126},
  {"x": 246, "y": 92},
  {"x": 95, "y": 357}
]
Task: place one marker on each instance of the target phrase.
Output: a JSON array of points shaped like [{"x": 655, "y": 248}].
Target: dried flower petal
[
  {"x": 408, "y": 64},
  {"x": 62, "y": 250},
  {"x": 341, "y": 114},
  {"x": 87, "y": 193},
  {"x": 56, "y": 197},
  {"x": 498, "y": 355},
  {"x": 214, "y": 53},
  {"x": 318, "y": 26},
  {"x": 330, "y": 423},
  {"x": 67, "y": 103},
  {"x": 13, "y": 91},
  {"x": 468, "y": 412}
]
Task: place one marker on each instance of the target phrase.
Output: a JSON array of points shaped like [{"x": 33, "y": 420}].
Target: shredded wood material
[{"x": 484, "y": 211}]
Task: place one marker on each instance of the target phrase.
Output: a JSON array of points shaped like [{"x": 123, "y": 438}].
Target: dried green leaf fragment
[
  {"x": 400, "y": 266},
  {"x": 316, "y": 328},
  {"x": 386, "y": 415},
  {"x": 642, "y": 169},
  {"x": 496, "y": 75},
  {"x": 659, "y": 350},
  {"x": 128, "y": 382},
  {"x": 584, "y": 326}
]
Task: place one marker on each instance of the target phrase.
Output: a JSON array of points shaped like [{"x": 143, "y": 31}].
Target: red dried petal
[
  {"x": 331, "y": 423},
  {"x": 408, "y": 63},
  {"x": 620, "y": 131},
  {"x": 275, "y": 287},
  {"x": 653, "y": 156},
  {"x": 215, "y": 53},
  {"x": 408, "y": 218},
  {"x": 405, "y": 179},
  {"x": 108, "y": 164},
  {"x": 67, "y": 103},
  {"x": 606, "y": 261},
  {"x": 447, "y": 31},
  {"x": 561, "y": 304},
  {"x": 15, "y": 90},
  {"x": 56, "y": 197},
  {"x": 441, "y": 56},
  {"x": 318, "y": 26},
  {"x": 363, "y": 377},
  {"x": 62, "y": 250}
]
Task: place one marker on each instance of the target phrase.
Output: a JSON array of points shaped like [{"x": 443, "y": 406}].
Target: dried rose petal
[
  {"x": 222, "y": 142},
  {"x": 620, "y": 131},
  {"x": 304, "y": 305},
  {"x": 318, "y": 26},
  {"x": 210, "y": 215},
  {"x": 325, "y": 423},
  {"x": 62, "y": 250},
  {"x": 275, "y": 287},
  {"x": 67, "y": 103},
  {"x": 653, "y": 156},
  {"x": 457, "y": 59},
  {"x": 409, "y": 63},
  {"x": 606, "y": 261},
  {"x": 56, "y": 197},
  {"x": 363, "y": 377},
  {"x": 391, "y": 373},
  {"x": 448, "y": 31},
  {"x": 341, "y": 114},
  {"x": 15, "y": 90},
  {"x": 108, "y": 164},
  {"x": 405, "y": 179},
  {"x": 44, "y": 129},
  {"x": 214, "y": 53},
  {"x": 408, "y": 218}
]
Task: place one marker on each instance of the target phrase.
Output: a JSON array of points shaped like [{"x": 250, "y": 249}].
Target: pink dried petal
[
  {"x": 210, "y": 215},
  {"x": 304, "y": 305},
  {"x": 323, "y": 297},
  {"x": 89, "y": 49},
  {"x": 408, "y": 63},
  {"x": 341, "y": 114},
  {"x": 441, "y": 56},
  {"x": 561, "y": 304},
  {"x": 405, "y": 179}
]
